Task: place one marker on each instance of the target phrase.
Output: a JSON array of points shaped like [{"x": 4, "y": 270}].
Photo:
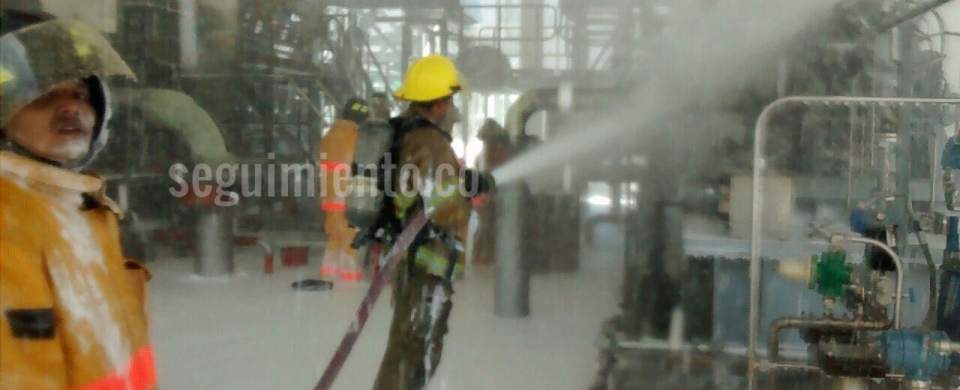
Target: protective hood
[{"x": 36, "y": 58}]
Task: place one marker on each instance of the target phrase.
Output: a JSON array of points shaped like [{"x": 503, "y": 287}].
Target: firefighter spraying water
[{"x": 408, "y": 190}]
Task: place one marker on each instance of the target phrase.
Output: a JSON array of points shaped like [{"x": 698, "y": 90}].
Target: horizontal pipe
[
  {"x": 812, "y": 323},
  {"x": 820, "y": 324},
  {"x": 913, "y": 13}
]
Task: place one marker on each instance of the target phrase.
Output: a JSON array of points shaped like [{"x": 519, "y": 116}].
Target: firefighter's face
[
  {"x": 443, "y": 110},
  {"x": 57, "y": 126}
]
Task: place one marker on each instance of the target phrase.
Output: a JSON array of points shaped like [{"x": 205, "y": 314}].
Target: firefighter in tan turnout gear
[{"x": 428, "y": 178}]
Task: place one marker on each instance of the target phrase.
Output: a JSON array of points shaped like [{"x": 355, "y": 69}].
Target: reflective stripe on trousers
[
  {"x": 436, "y": 264},
  {"x": 328, "y": 205},
  {"x": 331, "y": 166},
  {"x": 336, "y": 167}
]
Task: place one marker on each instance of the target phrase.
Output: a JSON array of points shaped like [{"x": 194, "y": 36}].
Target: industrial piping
[
  {"x": 916, "y": 11},
  {"x": 817, "y": 323},
  {"x": 759, "y": 167},
  {"x": 897, "y": 262}
]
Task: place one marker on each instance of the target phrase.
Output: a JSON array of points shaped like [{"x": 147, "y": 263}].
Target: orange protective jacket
[
  {"x": 72, "y": 309},
  {"x": 336, "y": 155}
]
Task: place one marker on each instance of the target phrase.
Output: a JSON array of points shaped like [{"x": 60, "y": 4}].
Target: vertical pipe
[
  {"x": 406, "y": 44},
  {"x": 953, "y": 239},
  {"x": 906, "y": 79},
  {"x": 189, "y": 54},
  {"x": 512, "y": 284},
  {"x": 783, "y": 75},
  {"x": 531, "y": 32},
  {"x": 445, "y": 33},
  {"x": 497, "y": 31},
  {"x": 214, "y": 242},
  {"x": 759, "y": 168},
  {"x": 123, "y": 198}
]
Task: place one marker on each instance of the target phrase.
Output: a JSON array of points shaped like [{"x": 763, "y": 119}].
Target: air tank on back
[{"x": 366, "y": 193}]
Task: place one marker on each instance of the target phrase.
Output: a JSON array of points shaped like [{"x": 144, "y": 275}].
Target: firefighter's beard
[{"x": 72, "y": 150}]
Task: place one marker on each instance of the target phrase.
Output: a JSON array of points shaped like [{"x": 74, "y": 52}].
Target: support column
[
  {"x": 189, "y": 52},
  {"x": 531, "y": 30},
  {"x": 406, "y": 45},
  {"x": 512, "y": 285},
  {"x": 214, "y": 242}
]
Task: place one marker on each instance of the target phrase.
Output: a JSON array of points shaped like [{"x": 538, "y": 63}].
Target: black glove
[{"x": 476, "y": 183}]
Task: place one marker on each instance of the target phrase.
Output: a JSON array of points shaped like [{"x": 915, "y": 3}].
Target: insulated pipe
[
  {"x": 547, "y": 99},
  {"x": 917, "y": 10},
  {"x": 526, "y": 105},
  {"x": 759, "y": 168},
  {"x": 181, "y": 115}
]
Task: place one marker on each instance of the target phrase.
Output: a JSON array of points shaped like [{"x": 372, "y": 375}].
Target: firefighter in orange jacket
[
  {"x": 72, "y": 312},
  {"x": 336, "y": 154},
  {"x": 427, "y": 179}
]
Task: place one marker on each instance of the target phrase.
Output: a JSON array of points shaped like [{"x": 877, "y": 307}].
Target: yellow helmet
[{"x": 428, "y": 79}]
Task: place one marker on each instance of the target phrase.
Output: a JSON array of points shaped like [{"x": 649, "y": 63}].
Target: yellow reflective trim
[
  {"x": 434, "y": 263},
  {"x": 443, "y": 193},
  {"x": 82, "y": 49},
  {"x": 6, "y": 76},
  {"x": 404, "y": 202}
]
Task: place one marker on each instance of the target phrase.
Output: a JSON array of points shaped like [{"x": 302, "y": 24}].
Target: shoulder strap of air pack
[{"x": 402, "y": 126}]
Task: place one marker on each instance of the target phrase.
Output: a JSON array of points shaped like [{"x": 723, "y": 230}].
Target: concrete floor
[{"x": 251, "y": 331}]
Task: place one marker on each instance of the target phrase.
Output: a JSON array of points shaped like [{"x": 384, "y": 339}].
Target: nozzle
[
  {"x": 491, "y": 182},
  {"x": 478, "y": 183}
]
